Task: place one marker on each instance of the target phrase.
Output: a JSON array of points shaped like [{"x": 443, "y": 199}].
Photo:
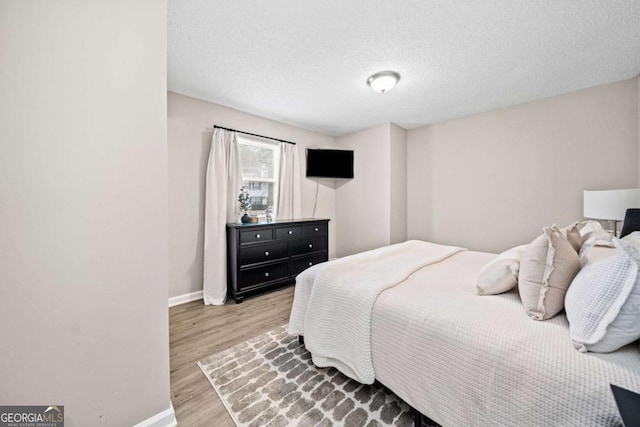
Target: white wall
[
  {"x": 190, "y": 130},
  {"x": 491, "y": 181},
  {"x": 363, "y": 203},
  {"x": 83, "y": 208},
  {"x": 371, "y": 209},
  {"x": 398, "y": 201}
]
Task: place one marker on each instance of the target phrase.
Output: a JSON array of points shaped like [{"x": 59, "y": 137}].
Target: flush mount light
[{"x": 383, "y": 81}]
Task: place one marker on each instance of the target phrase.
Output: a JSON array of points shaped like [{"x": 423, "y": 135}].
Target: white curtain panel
[
  {"x": 224, "y": 179},
  {"x": 289, "y": 204}
]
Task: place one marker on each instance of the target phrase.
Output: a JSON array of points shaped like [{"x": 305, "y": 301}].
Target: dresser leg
[
  {"x": 239, "y": 299},
  {"x": 300, "y": 339}
]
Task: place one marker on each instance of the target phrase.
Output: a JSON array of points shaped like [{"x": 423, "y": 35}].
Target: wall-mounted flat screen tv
[{"x": 323, "y": 163}]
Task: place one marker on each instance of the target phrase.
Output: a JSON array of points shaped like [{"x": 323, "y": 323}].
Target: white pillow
[
  {"x": 501, "y": 274},
  {"x": 633, "y": 239},
  {"x": 603, "y": 302},
  {"x": 588, "y": 227}
]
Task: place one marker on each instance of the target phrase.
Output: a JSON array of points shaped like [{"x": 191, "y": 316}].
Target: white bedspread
[
  {"x": 333, "y": 302},
  {"x": 467, "y": 360}
]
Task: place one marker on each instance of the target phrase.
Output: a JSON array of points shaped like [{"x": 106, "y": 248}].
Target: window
[{"x": 259, "y": 161}]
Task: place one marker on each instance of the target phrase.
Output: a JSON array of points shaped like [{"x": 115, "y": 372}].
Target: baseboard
[
  {"x": 181, "y": 299},
  {"x": 166, "y": 418}
]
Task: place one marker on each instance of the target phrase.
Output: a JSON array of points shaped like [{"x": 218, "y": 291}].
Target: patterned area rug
[{"x": 271, "y": 381}]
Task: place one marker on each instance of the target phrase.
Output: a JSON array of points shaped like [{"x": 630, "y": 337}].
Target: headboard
[{"x": 631, "y": 222}]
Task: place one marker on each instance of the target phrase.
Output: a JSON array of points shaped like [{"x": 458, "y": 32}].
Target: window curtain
[
  {"x": 222, "y": 187},
  {"x": 289, "y": 205}
]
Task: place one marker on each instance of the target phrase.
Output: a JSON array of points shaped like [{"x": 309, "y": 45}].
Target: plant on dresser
[{"x": 266, "y": 256}]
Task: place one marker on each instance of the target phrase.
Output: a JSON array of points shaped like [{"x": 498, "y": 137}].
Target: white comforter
[
  {"x": 466, "y": 360},
  {"x": 333, "y": 302}
]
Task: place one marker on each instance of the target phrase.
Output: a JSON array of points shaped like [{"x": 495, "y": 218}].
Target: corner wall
[
  {"x": 492, "y": 181},
  {"x": 190, "y": 131},
  {"x": 371, "y": 208},
  {"x": 363, "y": 203},
  {"x": 83, "y": 209},
  {"x": 398, "y": 208}
]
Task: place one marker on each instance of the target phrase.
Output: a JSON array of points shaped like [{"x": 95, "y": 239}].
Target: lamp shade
[{"x": 610, "y": 204}]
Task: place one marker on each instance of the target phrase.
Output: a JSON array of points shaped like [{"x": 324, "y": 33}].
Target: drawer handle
[
  {"x": 257, "y": 236},
  {"x": 310, "y": 263},
  {"x": 316, "y": 229},
  {"x": 266, "y": 254},
  {"x": 310, "y": 246},
  {"x": 290, "y": 232},
  {"x": 266, "y": 274}
]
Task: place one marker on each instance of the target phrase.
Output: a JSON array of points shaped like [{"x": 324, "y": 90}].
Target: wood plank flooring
[{"x": 197, "y": 331}]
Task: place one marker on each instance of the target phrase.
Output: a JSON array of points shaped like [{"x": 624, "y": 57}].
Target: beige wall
[
  {"x": 491, "y": 181},
  {"x": 83, "y": 208},
  {"x": 190, "y": 130},
  {"x": 398, "y": 202},
  {"x": 371, "y": 209},
  {"x": 363, "y": 203}
]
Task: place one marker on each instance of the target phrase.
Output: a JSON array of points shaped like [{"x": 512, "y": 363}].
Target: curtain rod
[{"x": 253, "y": 134}]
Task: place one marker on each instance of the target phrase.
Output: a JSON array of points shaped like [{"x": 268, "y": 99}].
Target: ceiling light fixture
[{"x": 383, "y": 81}]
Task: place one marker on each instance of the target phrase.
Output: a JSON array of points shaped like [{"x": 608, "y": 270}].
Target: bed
[{"x": 458, "y": 358}]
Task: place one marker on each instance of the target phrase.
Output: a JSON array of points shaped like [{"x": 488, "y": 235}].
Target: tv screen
[{"x": 329, "y": 163}]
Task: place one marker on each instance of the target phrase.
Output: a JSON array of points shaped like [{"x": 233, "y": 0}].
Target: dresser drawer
[
  {"x": 314, "y": 229},
  {"x": 259, "y": 235},
  {"x": 255, "y": 276},
  {"x": 288, "y": 232},
  {"x": 301, "y": 264},
  {"x": 308, "y": 245},
  {"x": 262, "y": 253}
]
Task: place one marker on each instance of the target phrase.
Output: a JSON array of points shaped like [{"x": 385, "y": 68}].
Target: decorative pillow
[
  {"x": 603, "y": 302},
  {"x": 573, "y": 235},
  {"x": 596, "y": 239},
  {"x": 501, "y": 274},
  {"x": 596, "y": 253},
  {"x": 547, "y": 267}
]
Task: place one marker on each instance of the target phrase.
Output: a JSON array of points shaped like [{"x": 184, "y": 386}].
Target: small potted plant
[
  {"x": 269, "y": 213},
  {"x": 245, "y": 204}
]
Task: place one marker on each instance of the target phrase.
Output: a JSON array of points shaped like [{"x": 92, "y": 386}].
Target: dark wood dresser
[{"x": 268, "y": 255}]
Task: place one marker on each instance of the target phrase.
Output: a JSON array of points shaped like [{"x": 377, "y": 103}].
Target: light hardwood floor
[{"x": 197, "y": 331}]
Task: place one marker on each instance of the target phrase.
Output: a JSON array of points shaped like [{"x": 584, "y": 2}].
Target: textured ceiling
[{"x": 306, "y": 62}]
